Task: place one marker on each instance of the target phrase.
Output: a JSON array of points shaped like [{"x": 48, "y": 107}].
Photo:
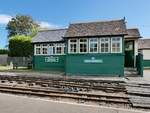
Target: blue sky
[{"x": 59, "y": 13}]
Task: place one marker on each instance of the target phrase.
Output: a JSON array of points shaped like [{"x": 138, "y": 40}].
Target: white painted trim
[
  {"x": 36, "y": 48},
  {"x": 44, "y": 47},
  {"x": 54, "y": 46},
  {"x": 83, "y": 43},
  {"x": 62, "y": 52},
  {"x": 120, "y": 44},
  {"x": 77, "y": 45},
  {"x": 97, "y": 45},
  {"x": 109, "y": 45}
]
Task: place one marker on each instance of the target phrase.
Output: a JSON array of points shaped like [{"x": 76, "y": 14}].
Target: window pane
[
  {"x": 58, "y": 50},
  {"x": 38, "y": 45},
  {"x": 93, "y": 43},
  {"x": 116, "y": 44},
  {"x": 73, "y": 40},
  {"x": 83, "y": 45},
  {"x": 105, "y": 45},
  {"x": 44, "y": 45},
  {"x": 73, "y": 46},
  {"x": 50, "y": 50},
  {"x": 38, "y": 50},
  {"x": 44, "y": 50}
]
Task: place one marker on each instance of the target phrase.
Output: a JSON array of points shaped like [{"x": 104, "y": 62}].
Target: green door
[{"x": 129, "y": 54}]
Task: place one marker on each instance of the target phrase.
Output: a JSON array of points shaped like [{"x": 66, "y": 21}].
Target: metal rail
[{"x": 61, "y": 94}]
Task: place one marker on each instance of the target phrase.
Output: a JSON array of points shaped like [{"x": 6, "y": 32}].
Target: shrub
[
  {"x": 20, "y": 46},
  {"x": 3, "y": 51}
]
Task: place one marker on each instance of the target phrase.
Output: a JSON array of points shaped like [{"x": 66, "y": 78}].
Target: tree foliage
[
  {"x": 3, "y": 51},
  {"x": 20, "y": 46},
  {"x": 22, "y": 25}
]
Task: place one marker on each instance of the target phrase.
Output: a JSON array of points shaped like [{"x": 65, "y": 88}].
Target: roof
[
  {"x": 100, "y": 28},
  {"x": 144, "y": 44},
  {"x": 133, "y": 33},
  {"x": 49, "y": 36}
]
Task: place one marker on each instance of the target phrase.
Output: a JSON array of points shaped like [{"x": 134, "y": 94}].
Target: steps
[{"x": 130, "y": 72}]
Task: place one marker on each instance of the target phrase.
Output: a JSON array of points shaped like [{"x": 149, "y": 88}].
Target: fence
[
  {"x": 3, "y": 59},
  {"x": 21, "y": 62}
]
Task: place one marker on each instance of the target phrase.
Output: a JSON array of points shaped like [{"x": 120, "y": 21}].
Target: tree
[
  {"x": 22, "y": 25},
  {"x": 20, "y": 46},
  {"x": 3, "y": 51}
]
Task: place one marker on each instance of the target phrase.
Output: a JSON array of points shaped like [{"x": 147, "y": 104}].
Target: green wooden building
[
  {"x": 91, "y": 48},
  {"x": 49, "y": 50},
  {"x": 144, "y": 48}
]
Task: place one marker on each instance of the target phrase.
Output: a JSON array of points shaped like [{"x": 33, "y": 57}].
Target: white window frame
[
  {"x": 35, "y": 47},
  {"x": 69, "y": 47},
  {"x": 62, "y": 49},
  {"x": 93, "y": 43},
  {"x": 116, "y": 41},
  {"x": 52, "y": 46},
  {"x": 109, "y": 44},
  {"x": 46, "y": 47},
  {"x": 87, "y": 47}
]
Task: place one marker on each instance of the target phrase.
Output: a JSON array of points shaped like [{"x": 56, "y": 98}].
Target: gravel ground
[
  {"x": 144, "y": 79},
  {"x": 146, "y": 76},
  {"x": 22, "y": 104},
  {"x": 57, "y": 74}
]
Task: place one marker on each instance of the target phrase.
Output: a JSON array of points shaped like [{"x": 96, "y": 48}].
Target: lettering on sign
[
  {"x": 51, "y": 59},
  {"x": 93, "y": 60}
]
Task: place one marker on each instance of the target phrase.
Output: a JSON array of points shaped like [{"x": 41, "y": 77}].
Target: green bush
[
  {"x": 3, "y": 51},
  {"x": 20, "y": 46}
]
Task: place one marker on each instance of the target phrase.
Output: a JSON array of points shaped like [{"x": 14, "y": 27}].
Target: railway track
[
  {"x": 61, "y": 94},
  {"x": 86, "y": 85},
  {"x": 101, "y": 92}
]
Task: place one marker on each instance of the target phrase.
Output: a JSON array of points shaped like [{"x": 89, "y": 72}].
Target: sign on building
[{"x": 51, "y": 59}]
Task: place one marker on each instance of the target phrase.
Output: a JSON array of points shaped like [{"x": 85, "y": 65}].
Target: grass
[{"x": 24, "y": 70}]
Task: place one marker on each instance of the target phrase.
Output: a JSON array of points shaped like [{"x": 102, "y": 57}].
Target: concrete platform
[{"x": 22, "y": 104}]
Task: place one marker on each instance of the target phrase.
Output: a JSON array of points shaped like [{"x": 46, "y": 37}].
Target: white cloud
[
  {"x": 4, "y": 19},
  {"x": 44, "y": 24}
]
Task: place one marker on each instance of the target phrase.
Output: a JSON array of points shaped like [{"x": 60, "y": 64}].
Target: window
[
  {"x": 83, "y": 45},
  {"x": 37, "y": 49},
  {"x": 93, "y": 45},
  {"x": 44, "y": 49},
  {"x": 104, "y": 45},
  {"x": 116, "y": 45},
  {"x": 73, "y": 45},
  {"x": 51, "y": 49},
  {"x": 59, "y": 49}
]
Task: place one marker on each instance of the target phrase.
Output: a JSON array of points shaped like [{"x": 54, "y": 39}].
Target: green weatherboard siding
[
  {"x": 146, "y": 63},
  {"x": 49, "y": 62},
  {"x": 95, "y": 64}
]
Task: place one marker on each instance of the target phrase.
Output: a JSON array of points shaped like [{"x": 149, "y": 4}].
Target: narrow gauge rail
[
  {"x": 61, "y": 94},
  {"x": 54, "y": 88},
  {"x": 104, "y": 85}
]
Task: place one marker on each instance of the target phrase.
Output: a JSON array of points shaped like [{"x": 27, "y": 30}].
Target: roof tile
[
  {"x": 49, "y": 36},
  {"x": 114, "y": 27}
]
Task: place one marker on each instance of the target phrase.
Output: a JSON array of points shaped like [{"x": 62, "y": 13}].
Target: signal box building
[{"x": 92, "y": 48}]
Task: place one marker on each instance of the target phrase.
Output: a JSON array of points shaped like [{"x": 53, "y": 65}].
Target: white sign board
[
  {"x": 51, "y": 59},
  {"x": 93, "y": 60}
]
